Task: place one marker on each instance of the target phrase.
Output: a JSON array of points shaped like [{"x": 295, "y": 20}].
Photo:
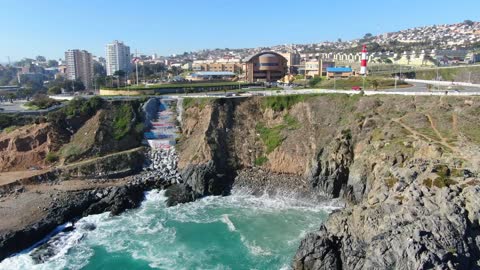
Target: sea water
[{"x": 240, "y": 231}]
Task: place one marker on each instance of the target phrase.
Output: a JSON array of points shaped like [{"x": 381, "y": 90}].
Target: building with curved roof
[{"x": 266, "y": 67}]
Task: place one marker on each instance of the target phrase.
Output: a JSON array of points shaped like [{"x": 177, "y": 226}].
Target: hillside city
[{"x": 428, "y": 46}]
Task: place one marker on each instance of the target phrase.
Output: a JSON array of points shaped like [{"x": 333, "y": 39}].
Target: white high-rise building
[
  {"x": 79, "y": 65},
  {"x": 118, "y": 57}
]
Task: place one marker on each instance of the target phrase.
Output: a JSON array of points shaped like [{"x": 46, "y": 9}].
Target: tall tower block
[{"x": 363, "y": 65}]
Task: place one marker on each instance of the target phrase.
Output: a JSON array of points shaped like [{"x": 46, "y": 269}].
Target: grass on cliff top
[
  {"x": 196, "y": 102},
  {"x": 280, "y": 103},
  {"x": 370, "y": 83}
]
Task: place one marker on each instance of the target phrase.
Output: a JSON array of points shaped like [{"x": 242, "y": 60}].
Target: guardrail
[
  {"x": 348, "y": 92},
  {"x": 443, "y": 83}
]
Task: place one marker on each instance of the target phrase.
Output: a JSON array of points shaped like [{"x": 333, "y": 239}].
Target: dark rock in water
[
  {"x": 177, "y": 194},
  {"x": 50, "y": 248},
  {"x": 88, "y": 226},
  {"x": 199, "y": 181},
  {"x": 205, "y": 179},
  {"x": 118, "y": 200}
]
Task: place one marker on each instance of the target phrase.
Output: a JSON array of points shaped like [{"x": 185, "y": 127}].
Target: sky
[{"x": 50, "y": 27}]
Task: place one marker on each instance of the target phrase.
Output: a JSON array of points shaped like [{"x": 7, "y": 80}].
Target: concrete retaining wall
[{"x": 105, "y": 92}]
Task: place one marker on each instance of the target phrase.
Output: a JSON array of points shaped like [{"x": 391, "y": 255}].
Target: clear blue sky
[{"x": 49, "y": 27}]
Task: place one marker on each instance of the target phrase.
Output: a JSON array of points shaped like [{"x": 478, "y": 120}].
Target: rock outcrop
[{"x": 407, "y": 167}]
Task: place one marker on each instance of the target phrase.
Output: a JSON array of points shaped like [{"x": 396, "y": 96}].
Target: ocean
[{"x": 240, "y": 231}]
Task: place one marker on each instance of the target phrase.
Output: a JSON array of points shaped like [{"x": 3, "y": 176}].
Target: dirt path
[
  {"x": 418, "y": 134},
  {"x": 10, "y": 177},
  {"x": 455, "y": 122},
  {"x": 432, "y": 125}
]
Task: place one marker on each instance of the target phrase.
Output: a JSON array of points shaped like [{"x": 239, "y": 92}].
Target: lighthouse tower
[{"x": 363, "y": 65}]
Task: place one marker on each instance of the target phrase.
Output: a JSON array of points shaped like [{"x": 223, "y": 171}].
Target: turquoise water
[{"x": 240, "y": 231}]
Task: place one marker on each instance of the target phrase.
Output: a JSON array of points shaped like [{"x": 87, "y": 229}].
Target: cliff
[{"x": 406, "y": 166}]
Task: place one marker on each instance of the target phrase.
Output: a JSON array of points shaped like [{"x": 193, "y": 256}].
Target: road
[{"x": 17, "y": 107}]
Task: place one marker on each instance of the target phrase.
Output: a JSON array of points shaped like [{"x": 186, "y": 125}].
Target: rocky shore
[{"x": 58, "y": 202}]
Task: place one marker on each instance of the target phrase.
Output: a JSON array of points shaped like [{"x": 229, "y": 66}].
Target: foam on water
[{"x": 240, "y": 231}]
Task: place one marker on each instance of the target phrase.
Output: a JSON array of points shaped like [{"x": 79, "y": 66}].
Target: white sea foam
[
  {"x": 150, "y": 234},
  {"x": 229, "y": 223},
  {"x": 253, "y": 248}
]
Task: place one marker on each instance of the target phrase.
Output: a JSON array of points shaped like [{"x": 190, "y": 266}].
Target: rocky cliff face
[{"x": 406, "y": 166}]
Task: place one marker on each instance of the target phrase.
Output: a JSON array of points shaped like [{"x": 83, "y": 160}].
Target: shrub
[
  {"x": 261, "y": 160},
  {"x": 313, "y": 82},
  {"x": 41, "y": 102},
  {"x": 51, "y": 157},
  {"x": 280, "y": 103},
  {"x": 121, "y": 123},
  {"x": 55, "y": 90}
]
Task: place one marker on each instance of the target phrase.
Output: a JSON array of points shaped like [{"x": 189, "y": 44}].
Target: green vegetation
[
  {"x": 196, "y": 102},
  {"x": 370, "y": 83},
  {"x": 271, "y": 137},
  {"x": 443, "y": 182},
  {"x": 314, "y": 81},
  {"x": 71, "y": 151},
  {"x": 78, "y": 107},
  {"x": 450, "y": 74},
  {"x": 391, "y": 181},
  {"x": 51, "y": 157},
  {"x": 443, "y": 179},
  {"x": 261, "y": 160},
  {"x": 122, "y": 121},
  {"x": 10, "y": 129},
  {"x": 291, "y": 122},
  {"x": 41, "y": 102},
  {"x": 280, "y": 103}
]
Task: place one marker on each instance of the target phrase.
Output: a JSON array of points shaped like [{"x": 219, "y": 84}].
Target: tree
[
  {"x": 28, "y": 92},
  {"x": 367, "y": 35},
  {"x": 313, "y": 82},
  {"x": 41, "y": 58},
  {"x": 55, "y": 90},
  {"x": 52, "y": 63},
  {"x": 11, "y": 96},
  {"x": 468, "y": 22},
  {"x": 339, "y": 40},
  {"x": 99, "y": 69},
  {"x": 119, "y": 73}
]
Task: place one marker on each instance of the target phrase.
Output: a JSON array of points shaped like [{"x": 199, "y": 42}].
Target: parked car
[{"x": 357, "y": 88}]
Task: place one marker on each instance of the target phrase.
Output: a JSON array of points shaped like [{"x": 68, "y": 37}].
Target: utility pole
[{"x": 136, "y": 64}]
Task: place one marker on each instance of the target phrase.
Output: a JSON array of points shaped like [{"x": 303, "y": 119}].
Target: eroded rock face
[
  {"x": 330, "y": 171},
  {"x": 27, "y": 146},
  {"x": 411, "y": 226}
]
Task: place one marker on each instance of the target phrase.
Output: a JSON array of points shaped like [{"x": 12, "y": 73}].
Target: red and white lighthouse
[{"x": 363, "y": 65}]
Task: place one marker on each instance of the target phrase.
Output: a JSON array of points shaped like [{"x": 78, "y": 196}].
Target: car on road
[{"x": 356, "y": 88}]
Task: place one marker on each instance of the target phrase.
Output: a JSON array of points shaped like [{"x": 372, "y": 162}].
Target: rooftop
[
  {"x": 339, "y": 69},
  {"x": 213, "y": 73}
]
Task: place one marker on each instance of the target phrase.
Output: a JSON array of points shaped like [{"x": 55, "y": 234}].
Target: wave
[
  {"x": 229, "y": 223},
  {"x": 165, "y": 237}
]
